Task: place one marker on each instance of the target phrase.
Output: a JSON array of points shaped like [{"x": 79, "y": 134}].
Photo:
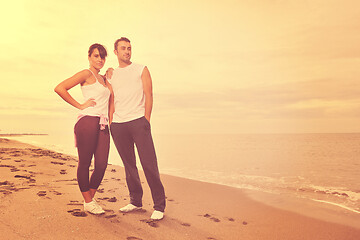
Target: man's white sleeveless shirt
[{"x": 129, "y": 95}]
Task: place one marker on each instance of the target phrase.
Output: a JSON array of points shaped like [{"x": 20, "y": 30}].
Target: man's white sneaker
[
  {"x": 157, "y": 215},
  {"x": 129, "y": 208},
  {"x": 93, "y": 207}
]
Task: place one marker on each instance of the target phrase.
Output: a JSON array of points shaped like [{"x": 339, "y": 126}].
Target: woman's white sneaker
[{"x": 93, "y": 207}]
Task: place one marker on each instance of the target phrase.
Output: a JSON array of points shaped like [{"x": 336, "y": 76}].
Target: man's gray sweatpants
[{"x": 138, "y": 132}]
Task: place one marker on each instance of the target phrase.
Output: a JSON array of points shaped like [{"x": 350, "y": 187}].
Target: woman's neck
[{"x": 94, "y": 70}]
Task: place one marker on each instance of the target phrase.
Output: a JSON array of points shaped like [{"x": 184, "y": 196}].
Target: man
[{"x": 133, "y": 100}]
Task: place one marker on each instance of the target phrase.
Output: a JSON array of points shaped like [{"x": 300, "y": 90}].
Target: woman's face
[{"x": 95, "y": 60}]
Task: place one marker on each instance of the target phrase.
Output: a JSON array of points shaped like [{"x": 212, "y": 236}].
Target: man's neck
[{"x": 124, "y": 64}]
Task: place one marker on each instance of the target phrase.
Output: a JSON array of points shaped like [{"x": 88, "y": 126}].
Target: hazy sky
[{"x": 217, "y": 66}]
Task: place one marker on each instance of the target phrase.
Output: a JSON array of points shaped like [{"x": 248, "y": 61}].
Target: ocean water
[{"x": 319, "y": 167}]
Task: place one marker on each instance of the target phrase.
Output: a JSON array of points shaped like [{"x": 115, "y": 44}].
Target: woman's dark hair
[{"x": 100, "y": 48}]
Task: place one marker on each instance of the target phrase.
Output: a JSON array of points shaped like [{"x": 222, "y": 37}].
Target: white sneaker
[
  {"x": 96, "y": 203},
  {"x": 129, "y": 208},
  {"x": 157, "y": 215},
  {"x": 93, "y": 207}
]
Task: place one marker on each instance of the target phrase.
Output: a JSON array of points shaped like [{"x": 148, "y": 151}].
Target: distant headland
[{"x": 22, "y": 134}]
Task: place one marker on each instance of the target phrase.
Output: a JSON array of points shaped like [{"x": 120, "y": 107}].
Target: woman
[{"x": 91, "y": 130}]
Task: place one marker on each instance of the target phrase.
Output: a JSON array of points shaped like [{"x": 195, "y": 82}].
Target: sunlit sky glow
[{"x": 217, "y": 66}]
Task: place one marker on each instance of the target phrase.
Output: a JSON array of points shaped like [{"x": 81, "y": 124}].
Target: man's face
[{"x": 123, "y": 51}]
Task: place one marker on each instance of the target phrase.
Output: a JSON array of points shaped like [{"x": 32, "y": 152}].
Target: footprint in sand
[
  {"x": 5, "y": 183},
  {"x": 22, "y": 176},
  {"x": 67, "y": 180},
  {"x": 181, "y": 223},
  {"x": 109, "y": 210},
  {"x": 77, "y": 213},
  {"x": 12, "y": 168},
  {"x": 114, "y": 221},
  {"x": 75, "y": 203},
  {"x": 116, "y": 179},
  {"x": 104, "y": 198},
  {"x": 8, "y": 188},
  {"x": 5, "y": 192},
  {"x": 212, "y": 218},
  {"x": 150, "y": 222},
  {"x": 133, "y": 238},
  {"x": 56, "y": 192},
  {"x": 59, "y": 163},
  {"x": 113, "y": 199},
  {"x": 31, "y": 180},
  {"x": 63, "y": 171},
  {"x": 41, "y": 193}
]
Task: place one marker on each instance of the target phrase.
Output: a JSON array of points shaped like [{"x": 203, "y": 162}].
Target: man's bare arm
[{"x": 147, "y": 86}]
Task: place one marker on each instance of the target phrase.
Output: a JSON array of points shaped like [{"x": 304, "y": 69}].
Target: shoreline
[
  {"x": 335, "y": 204},
  {"x": 257, "y": 192},
  {"x": 40, "y": 184}
]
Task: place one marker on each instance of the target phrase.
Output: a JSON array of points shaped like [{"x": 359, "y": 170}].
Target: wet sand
[{"x": 40, "y": 199}]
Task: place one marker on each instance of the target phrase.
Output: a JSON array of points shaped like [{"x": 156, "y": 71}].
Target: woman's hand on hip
[{"x": 89, "y": 103}]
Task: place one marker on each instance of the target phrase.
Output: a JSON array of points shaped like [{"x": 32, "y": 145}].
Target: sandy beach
[{"x": 40, "y": 199}]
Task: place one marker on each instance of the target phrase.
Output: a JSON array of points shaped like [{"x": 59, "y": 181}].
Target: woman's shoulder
[
  {"x": 85, "y": 72},
  {"x": 83, "y": 76}
]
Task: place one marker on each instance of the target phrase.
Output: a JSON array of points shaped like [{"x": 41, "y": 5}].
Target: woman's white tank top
[{"x": 101, "y": 94}]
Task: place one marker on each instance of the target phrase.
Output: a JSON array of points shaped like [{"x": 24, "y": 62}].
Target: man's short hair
[{"x": 119, "y": 40}]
